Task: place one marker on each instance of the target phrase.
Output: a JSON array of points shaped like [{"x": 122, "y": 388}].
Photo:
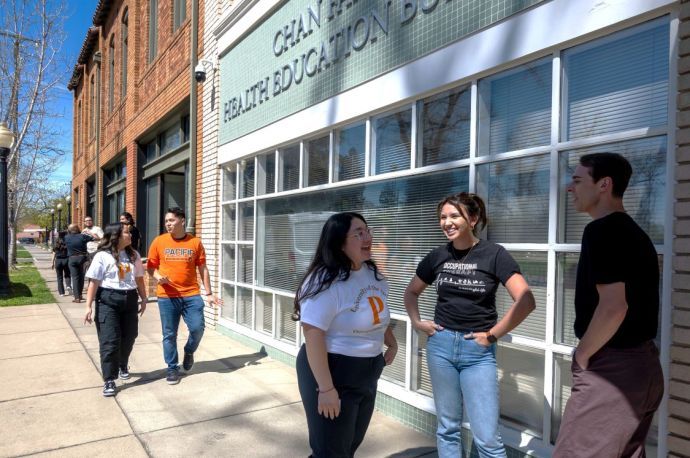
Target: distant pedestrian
[
  {"x": 117, "y": 275},
  {"x": 61, "y": 265},
  {"x": 77, "y": 252},
  {"x": 617, "y": 377},
  {"x": 342, "y": 304},
  {"x": 174, "y": 259},
  {"x": 96, "y": 234},
  {"x": 126, "y": 218}
]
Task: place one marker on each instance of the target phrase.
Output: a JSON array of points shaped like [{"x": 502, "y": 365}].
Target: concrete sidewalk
[{"x": 235, "y": 402}]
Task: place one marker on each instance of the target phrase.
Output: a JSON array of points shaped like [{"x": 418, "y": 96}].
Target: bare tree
[{"x": 31, "y": 35}]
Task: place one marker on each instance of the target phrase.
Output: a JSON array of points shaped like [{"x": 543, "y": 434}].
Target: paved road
[{"x": 234, "y": 403}]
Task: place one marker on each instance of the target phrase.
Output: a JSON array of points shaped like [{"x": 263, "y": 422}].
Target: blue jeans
[
  {"x": 463, "y": 370},
  {"x": 191, "y": 309}
]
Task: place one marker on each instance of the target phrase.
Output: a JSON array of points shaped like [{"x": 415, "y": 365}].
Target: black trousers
[
  {"x": 76, "y": 270},
  {"x": 63, "y": 275},
  {"x": 356, "y": 380},
  {"x": 117, "y": 324}
]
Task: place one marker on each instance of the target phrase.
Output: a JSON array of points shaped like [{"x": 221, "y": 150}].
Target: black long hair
[
  {"x": 60, "y": 242},
  {"x": 330, "y": 262},
  {"x": 111, "y": 239}
]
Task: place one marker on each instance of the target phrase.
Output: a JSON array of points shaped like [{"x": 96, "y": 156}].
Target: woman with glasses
[
  {"x": 461, "y": 345},
  {"x": 341, "y": 303},
  {"x": 117, "y": 278}
]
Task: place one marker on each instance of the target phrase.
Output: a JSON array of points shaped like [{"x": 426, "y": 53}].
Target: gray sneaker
[
  {"x": 124, "y": 373},
  {"x": 109, "y": 388},
  {"x": 173, "y": 377}
]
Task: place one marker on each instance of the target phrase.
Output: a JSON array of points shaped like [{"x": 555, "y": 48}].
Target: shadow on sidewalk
[
  {"x": 416, "y": 452},
  {"x": 230, "y": 364}
]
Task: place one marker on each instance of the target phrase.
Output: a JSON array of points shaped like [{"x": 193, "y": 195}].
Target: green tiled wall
[
  {"x": 406, "y": 414},
  {"x": 252, "y": 59}
]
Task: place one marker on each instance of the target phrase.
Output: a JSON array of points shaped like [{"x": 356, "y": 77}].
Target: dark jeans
[
  {"x": 117, "y": 324},
  {"x": 76, "y": 270},
  {"x": 611, "y": 404},
  {"x": 63, "y": 275},
  {"x": 356, "y": 380}
]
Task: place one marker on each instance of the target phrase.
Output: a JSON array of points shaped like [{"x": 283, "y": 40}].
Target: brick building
[{"x": 132, "y": 130}]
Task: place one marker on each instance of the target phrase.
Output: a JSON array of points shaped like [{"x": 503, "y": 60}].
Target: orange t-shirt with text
[{"x": 178, "y": 260}]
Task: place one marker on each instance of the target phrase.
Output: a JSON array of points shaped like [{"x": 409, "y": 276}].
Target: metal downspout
[{"x": 192, "y": 178}]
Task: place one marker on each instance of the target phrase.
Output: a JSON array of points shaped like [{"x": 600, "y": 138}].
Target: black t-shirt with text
[
  {"x": 615, "y": 249},
  {"x": 466, "y": 283}
]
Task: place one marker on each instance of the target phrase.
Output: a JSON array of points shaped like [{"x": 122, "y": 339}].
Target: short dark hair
[
  {"x": 177, "y": 211},
  {"x": 611, "y": 165}
]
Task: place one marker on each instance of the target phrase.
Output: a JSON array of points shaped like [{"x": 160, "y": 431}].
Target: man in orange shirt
[{"x": 173, "y": 261}]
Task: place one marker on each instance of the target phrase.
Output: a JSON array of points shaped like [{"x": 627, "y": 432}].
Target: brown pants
[{"x": 612, "y": 404}]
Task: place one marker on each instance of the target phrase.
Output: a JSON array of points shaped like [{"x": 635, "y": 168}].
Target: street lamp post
[
  {"x": 68, "y": 199},
  {"x": 52, "y": 227},
  {"x": 6, "y": 141},
  {"x": 59, "y": 226}
]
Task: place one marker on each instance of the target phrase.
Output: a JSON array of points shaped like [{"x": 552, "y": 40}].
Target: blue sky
[{"x": 79, "y": 19}]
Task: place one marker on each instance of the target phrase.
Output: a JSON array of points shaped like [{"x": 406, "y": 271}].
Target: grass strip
[{"x": 26, "y": 287}]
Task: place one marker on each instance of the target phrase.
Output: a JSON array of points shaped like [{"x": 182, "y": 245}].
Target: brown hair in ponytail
[{"x": 469, "y": 205}]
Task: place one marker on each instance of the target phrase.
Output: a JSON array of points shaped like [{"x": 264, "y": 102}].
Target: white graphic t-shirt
[
  {"x": 353, "y": 313},
  {"x": 114, "y": 275}
]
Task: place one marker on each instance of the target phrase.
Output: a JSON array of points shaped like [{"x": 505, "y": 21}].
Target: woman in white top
[
  {"x": 341, "y": 303},
  {"x": 116, "y": 275}
]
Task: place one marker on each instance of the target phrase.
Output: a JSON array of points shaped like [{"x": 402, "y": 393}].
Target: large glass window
[
  {"x": 111, "y": 74},
  {"x": 153, "y": 29},
  {"x": 123, "y": 55},
  {"x": 446, "y": 126},
  {"x": 515, "y": 109},
  {"x": 316, "y": 168},
  {"x": 516, "y": 193},
  {"x": 644, "y": 198},
  {"x": 350, "y": 149},
  {"x": 619, "y": 83},
  {"x": 289, "y": 168},
  {"x": 267, "y": 173},
  {"x": 392, "y": 140}
]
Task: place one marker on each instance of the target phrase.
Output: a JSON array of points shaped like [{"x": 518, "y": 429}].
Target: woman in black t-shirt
[
  {"x": 461, "y": 345},
  {"x": 128, "y": 219},
  {"x": 60, "y": 264}
]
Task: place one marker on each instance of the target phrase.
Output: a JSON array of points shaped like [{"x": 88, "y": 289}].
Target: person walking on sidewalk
[
  {"x": 173, "y": 261},
  {"x": 96, "y": 234},
  {"x": 341, "y": 303},
  {"x": 61, "y": 265},
  {"x": 116, "y": 278},
  {"x": 77, "y": 252},
  {"x": 617, "y": 378}
]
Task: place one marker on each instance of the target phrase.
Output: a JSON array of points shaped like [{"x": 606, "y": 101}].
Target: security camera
[{"x": 200, "y": 73}]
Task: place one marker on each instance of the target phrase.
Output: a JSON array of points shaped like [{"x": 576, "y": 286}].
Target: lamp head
[
  {"x": 52, "y": 211},
  {"x": 6, "y": 136},
  {"x": 59, "y": 207},
  {"x": 68, "y": 199}
]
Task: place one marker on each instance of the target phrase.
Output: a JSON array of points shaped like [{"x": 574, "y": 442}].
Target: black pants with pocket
[
  {"x": 356, "y": 380},
  {"x": 117, "y": 324},
  {"x": 62, "y": 271},
  {"x": 76, "y": 270}
]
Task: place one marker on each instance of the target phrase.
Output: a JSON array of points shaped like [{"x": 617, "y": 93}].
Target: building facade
[
  {"x": 384, "y": 107},
  {"x": 132, "y": 128}
]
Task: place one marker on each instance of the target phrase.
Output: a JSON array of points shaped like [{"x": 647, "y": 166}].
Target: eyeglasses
[{"x": 363, "y": 234}]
